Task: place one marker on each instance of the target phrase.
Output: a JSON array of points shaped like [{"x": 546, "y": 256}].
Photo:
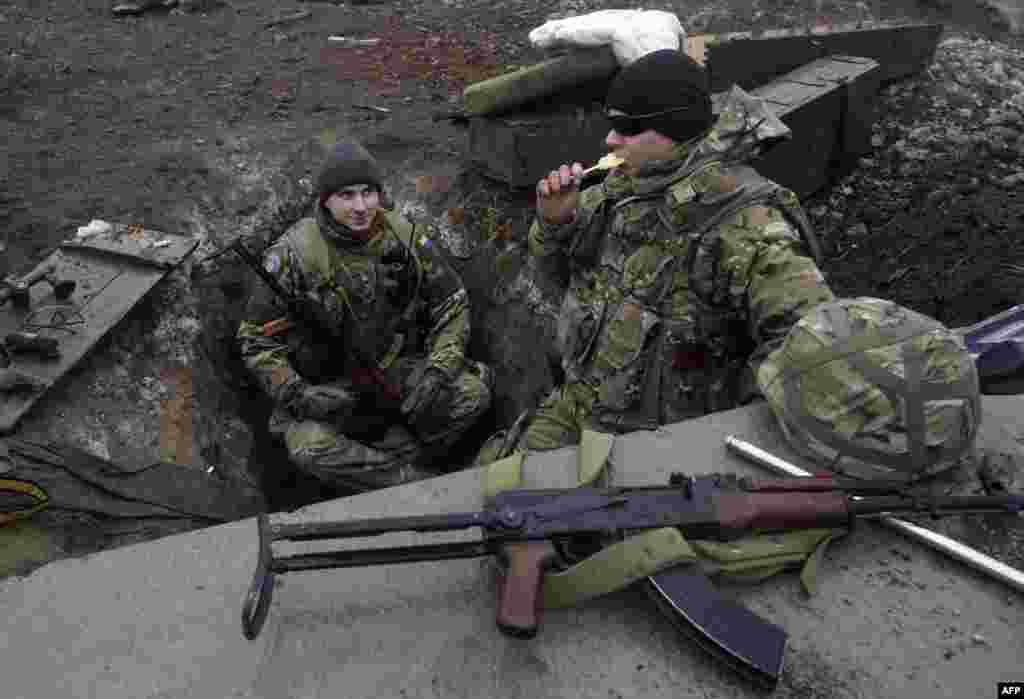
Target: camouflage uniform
[
  {"x": 683, "y": 279},
  {"x": 425, "y": 325}
]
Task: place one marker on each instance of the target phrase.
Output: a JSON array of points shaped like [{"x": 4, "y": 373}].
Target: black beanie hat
[
  {"x": 348, "y": 163},
  {"x": 665, "y": 80}
]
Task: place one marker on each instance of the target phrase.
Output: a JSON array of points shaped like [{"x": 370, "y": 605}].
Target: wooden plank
[
  {"x": 142, "y": 245},
  {"x": 111, "y": 273}
]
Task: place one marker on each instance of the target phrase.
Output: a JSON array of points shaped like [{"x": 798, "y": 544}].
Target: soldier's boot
[{"x": 321, "y": 450}]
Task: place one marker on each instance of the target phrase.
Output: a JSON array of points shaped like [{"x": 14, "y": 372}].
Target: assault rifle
[{"x": 527, "y": 526}]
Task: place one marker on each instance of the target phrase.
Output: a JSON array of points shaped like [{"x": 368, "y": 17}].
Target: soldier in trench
[
  {"x": 687, "y": 268},
  {"x": 374, "y": 408}
]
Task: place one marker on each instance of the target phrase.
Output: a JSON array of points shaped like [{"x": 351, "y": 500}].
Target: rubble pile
[{"x": 942, "y": 191}]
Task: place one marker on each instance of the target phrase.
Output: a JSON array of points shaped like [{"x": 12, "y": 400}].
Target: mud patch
[{"x": 442, "y": 60}]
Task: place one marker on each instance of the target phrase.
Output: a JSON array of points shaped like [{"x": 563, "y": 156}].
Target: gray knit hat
[{"x": 348, "y": 163}]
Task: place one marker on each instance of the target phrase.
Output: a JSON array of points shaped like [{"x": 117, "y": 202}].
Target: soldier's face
[
  {"x": 355, "y": 206},
  {"x": 640, "y": 148}
]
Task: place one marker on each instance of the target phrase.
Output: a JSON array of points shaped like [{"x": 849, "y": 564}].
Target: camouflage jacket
[
  {"x": 683, "y": 278},
  {"x": 426, "y": 316}
]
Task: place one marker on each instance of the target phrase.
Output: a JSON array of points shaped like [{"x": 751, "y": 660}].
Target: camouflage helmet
[{"x": 869, "y": 388}]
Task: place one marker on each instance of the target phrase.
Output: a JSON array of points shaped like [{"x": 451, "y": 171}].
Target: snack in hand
[{"x": 608, "y": 162}]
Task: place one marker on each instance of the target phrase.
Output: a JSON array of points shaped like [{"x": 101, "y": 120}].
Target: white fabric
[{"x": 631, "y": 33}]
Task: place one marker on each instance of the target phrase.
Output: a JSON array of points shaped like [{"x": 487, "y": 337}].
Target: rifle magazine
[{"x": 746, "y": 642}]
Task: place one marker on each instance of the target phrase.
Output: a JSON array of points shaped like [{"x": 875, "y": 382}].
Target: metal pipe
[{"x": 951, "y": 547}]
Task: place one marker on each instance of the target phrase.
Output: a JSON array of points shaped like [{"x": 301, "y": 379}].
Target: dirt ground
[
  {"x": 150, "y": 119},
  {"x": 204, "y": 122}
]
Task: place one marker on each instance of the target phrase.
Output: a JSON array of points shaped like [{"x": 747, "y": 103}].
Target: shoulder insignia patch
[{"x": 272, "y": 262}]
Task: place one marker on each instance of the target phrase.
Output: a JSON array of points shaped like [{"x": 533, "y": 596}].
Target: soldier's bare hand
[{"x": 558, "y": 194}]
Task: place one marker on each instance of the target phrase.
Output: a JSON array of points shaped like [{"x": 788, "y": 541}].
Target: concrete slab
[{"x": 161, "y": 620}]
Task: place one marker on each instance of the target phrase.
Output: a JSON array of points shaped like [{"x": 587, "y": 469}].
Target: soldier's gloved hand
[
  {"x": 323, "y": 400},
  {"x": 424, "y": 391}
]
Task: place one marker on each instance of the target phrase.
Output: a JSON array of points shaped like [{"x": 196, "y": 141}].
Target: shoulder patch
[{"x": 272, "y": 262}]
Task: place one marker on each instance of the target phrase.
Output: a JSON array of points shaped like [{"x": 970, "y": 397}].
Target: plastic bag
[{"x": 631, "y": 33}]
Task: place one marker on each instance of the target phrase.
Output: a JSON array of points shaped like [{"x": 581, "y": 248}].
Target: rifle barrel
[
  {"x": 861, "y": 507},
  {"x": 383, "y": 556},
  {"x": 951, "y": 547},
  {"x": 311, "y": 531}
]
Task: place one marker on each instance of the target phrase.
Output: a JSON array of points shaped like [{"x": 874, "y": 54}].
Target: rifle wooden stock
[{"x": 519, "y": 588}]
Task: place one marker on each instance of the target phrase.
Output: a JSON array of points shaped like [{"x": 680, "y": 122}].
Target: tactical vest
[
  {"x": 714, "y": 349},
  {"x": 320, "y": 259}
]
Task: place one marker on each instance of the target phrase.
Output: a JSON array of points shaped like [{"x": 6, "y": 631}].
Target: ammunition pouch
[{"x": 643, "y": 411}]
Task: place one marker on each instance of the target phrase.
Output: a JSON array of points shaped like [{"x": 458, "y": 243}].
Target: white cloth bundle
[{"x": 630, "y": 33}]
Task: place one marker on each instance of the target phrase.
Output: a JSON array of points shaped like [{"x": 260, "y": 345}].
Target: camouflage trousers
[{"x": 379, "y": 448}]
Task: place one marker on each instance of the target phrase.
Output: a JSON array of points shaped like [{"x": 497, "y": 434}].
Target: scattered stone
[
  {"x": 979, "y": 640},
  {"x": 1013, "y": 181},
  {"x": 900, "y": 554},
  {"x": 858, "y": 231},
  {"x": 137, "y": 7},
  {"x": 1004, "y": 133},
  {"x": 1007, "y": 14}
]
